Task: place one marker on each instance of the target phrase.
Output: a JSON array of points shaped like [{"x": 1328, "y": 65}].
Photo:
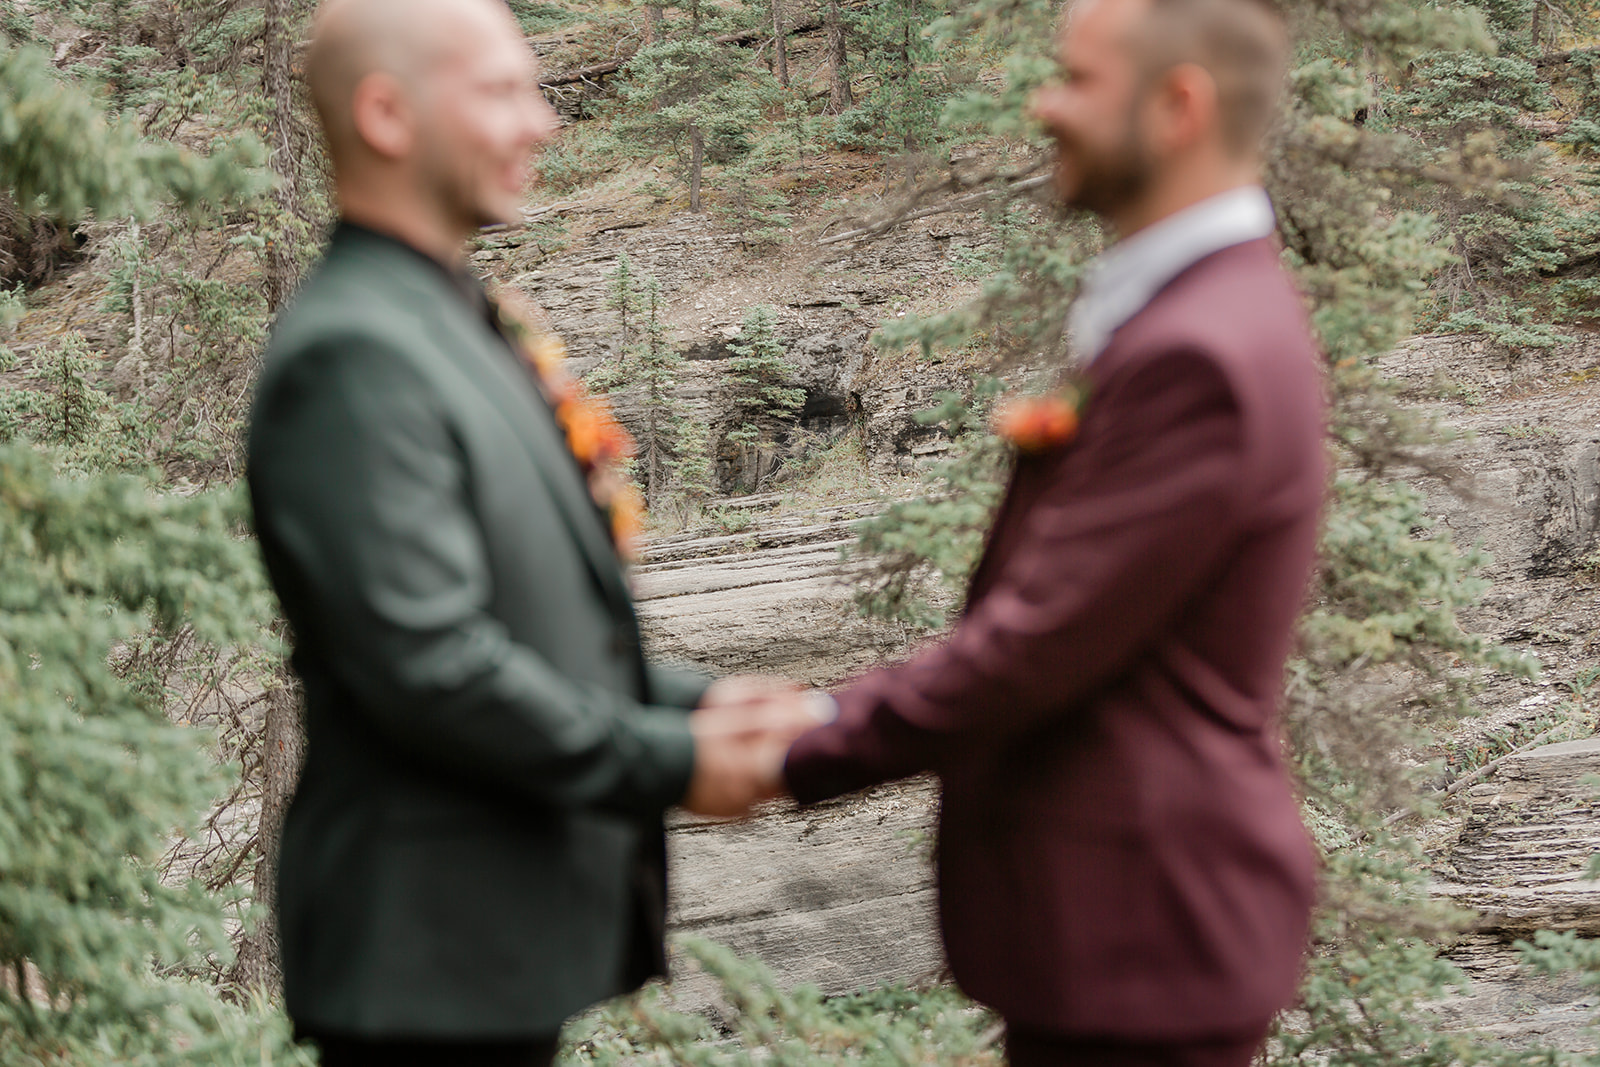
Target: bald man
[
  {"x": 1123, "y": 873},
  {"x": 475, "y": 848}
]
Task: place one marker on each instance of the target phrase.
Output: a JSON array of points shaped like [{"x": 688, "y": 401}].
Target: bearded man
[
  {"x": 475, "y": 848},
  {"x": 1123, "y": 873}
]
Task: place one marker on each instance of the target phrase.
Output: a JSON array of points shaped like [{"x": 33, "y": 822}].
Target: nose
[{"x": 1043, "y": 103}]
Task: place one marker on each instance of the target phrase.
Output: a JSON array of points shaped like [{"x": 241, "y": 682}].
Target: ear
[
  {"x": 383, "y": 117},
  {"x": 1186, "y": 104}
]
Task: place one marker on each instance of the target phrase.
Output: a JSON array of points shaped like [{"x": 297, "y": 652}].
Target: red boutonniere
[
  {"x": 594, "y": 436},
  {"x": 1039, "y": 423}
]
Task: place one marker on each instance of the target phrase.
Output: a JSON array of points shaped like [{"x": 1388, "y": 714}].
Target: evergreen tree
[
  {"x": 60, "y": 157},
  {"x": 900, "y": 112},
  {"x": 288, "y": 229},
  {"x": 757, "y": 392},
  {"x": 94, "y": 778},
  {"x": 693, "y": 470},
  {"x": 98, "y": 568},
  {"x": 672, "y": 459},
  {"x": 780, "y": 43},
  {"x": 693, "y": 97},
  {"x": 1506, "y": 233},
  {"x": 188, "y": 73},
  {"x": 71, "y": 409},
  {"x": 841, "y": 96},
  {"x": 622, "y": 294},
  {"x": 653, "y": 364},
  {"x": 757, "y": 214}
]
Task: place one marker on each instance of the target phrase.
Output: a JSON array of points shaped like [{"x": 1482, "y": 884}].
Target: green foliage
[
  {"x": 653, "y": 364},
  {"x": 71, "y": 417},
  {"x": 1478, "y": 111},
  {"x": 94, "y": 778},
  {"x": 1369, "y": 984},
  {"x": 890, "y": 1026},
  {"x": 623, "y": 289},
  {"x": 1391, "y": 587},
  {"x": 692, "y": 97},
  {"x": 580, "y": 156},
  {"x": 60, "y": 157},
  {"x": 1023, "y": 303},
  {"x": 756, "y": 391},
  {"x": 693, "y": 469},
  {"x": 538, "y": 16},
  {"x": 1564, "y": 953},
  {"x": 12, "y": 306},
  {"x": 757, "y": 214},
  {"x": 673, "y": 459},
  {"x": 935, "y": 539},
  {"x": 65, "y": 407},
  {"x": 909, "y": 78}
]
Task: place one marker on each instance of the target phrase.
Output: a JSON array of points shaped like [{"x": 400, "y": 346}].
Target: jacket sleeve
[
  {"x": 361, "y": 495},
  {"x": 1125, "y": 533},
  {"x": 676, "y": 687}
]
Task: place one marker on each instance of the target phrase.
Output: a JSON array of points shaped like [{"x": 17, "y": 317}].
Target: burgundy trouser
[{"x": 1036, "y": 1048}]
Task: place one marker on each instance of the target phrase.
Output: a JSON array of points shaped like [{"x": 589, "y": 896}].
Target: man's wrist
[{"x": 821, "y": 705}]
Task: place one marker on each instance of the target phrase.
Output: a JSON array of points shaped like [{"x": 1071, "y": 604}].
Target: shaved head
[
  {"x": 404, "y": 39},
  {"x": 433, "y": 114}
]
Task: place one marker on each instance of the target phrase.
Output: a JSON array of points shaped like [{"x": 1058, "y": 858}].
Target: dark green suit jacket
[{"x": 475, "y": 848}]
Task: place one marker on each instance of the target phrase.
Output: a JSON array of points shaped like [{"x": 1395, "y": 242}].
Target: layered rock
[{"x": 840, "y": 895}]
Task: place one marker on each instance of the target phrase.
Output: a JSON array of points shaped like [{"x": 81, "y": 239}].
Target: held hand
[
  {"x": 745, "y": 689},
  {"x": 740, "y": 749}
]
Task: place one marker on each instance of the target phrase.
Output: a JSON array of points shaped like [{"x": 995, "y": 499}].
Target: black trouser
[
  {"x": 421, "y": 1052},
  {"x": 1034, "y": 1048}
]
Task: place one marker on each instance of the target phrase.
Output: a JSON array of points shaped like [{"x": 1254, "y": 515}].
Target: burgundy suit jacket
[{"x": 1120, "y": 850}]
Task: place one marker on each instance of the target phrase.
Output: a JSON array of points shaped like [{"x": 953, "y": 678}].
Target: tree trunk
[
  {"x": 903, "y": 73},
  {"x": 259, "y": 965},
  {"x": 654, "y": 483},
  {"x": 1533, "y": 27},
  {"x": 277, "y": 81},
  {"x": 653, "y": 16},
  {"x": 840, "y": 99},
  {"x": 697, "y": 155},
  {"x": 780, "y": 47},
  {"x": 136, "y": 342}
]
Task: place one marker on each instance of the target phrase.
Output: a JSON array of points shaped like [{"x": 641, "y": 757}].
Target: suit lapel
[
  {"x": 469, "y": 342},
  {"x": 513, "y": 390}
]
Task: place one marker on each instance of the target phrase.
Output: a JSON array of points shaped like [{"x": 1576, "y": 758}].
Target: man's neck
[
  {"x": 1184, "y": 189},
  {"x": 406, "y": 220}
]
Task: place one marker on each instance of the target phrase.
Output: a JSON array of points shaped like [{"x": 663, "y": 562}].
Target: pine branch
[{"x": 960, "y": 203}]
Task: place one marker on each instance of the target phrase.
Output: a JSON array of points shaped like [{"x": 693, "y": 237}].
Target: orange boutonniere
[
  {"x": 594, "y": 436},
  {"x": 1039, "y": 423}
]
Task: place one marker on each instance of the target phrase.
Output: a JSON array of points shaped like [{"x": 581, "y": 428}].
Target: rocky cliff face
[{"x": 828, "y": 299}]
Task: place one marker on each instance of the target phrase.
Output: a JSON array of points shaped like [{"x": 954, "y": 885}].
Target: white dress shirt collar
[{"x": 1129, "y": 274}]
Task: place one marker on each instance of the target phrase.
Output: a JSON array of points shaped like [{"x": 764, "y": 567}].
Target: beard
[
  {"x": 465, "y": 195},
  {"x": 1103, "y": 180}
]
